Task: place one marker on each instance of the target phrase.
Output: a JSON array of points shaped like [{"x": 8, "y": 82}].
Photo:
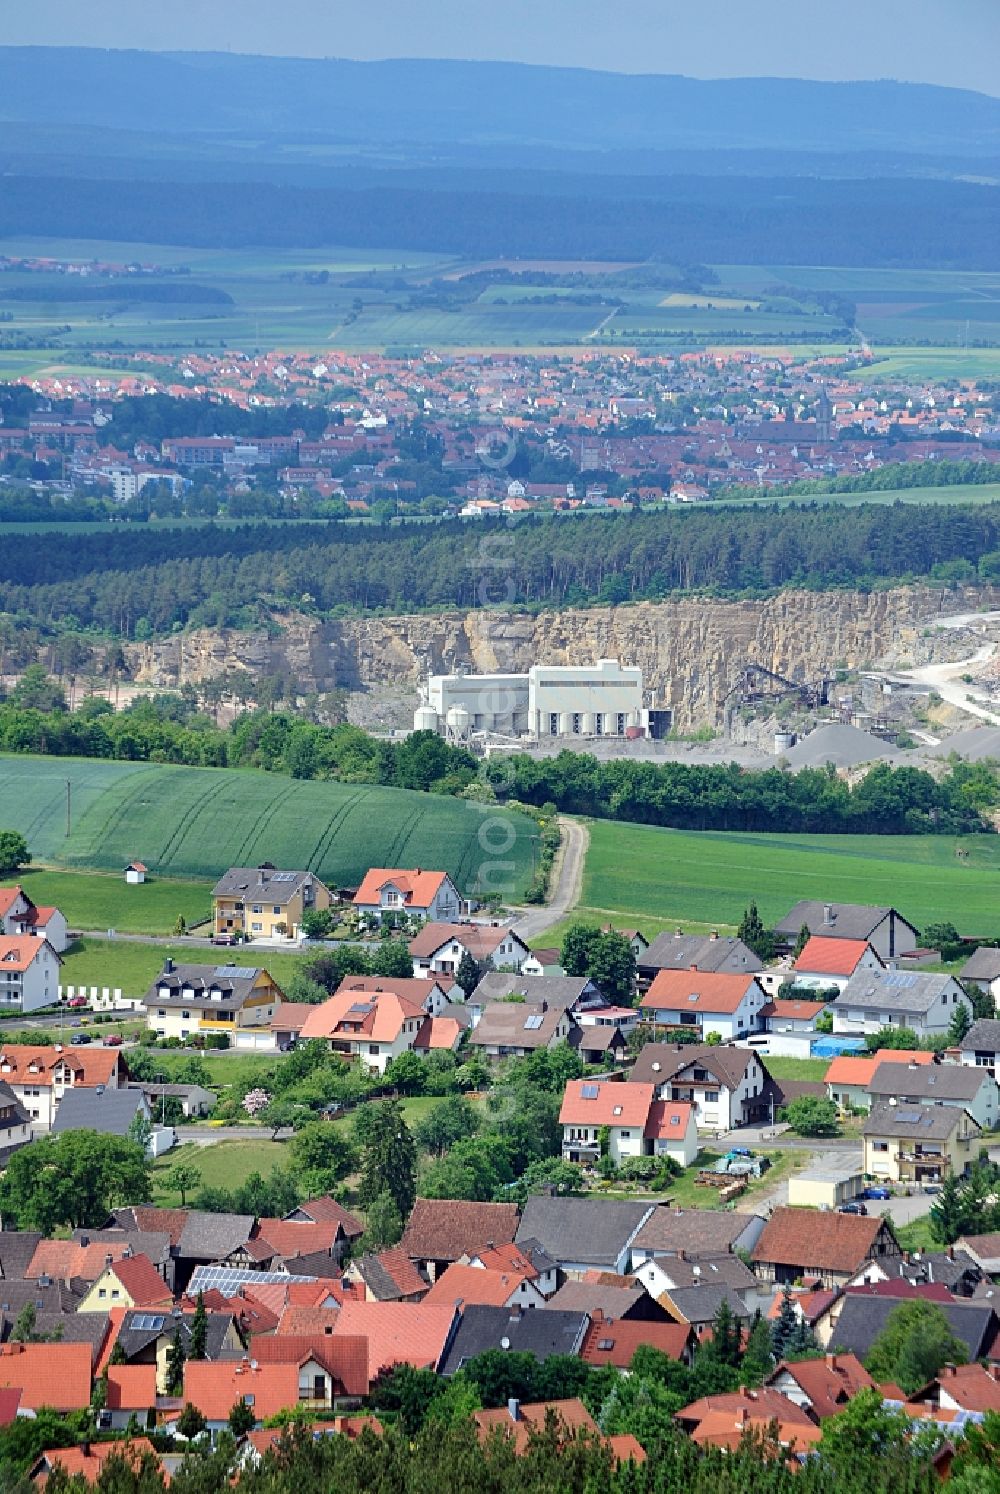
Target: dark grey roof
[
  {"x": 699, "y": 1304},
  {"x": 984, "y": 964},
  {"x": 658, "y": 1062},
  {"x": 533, "y": 1332},
  {"x": 950, "y": 1269},
  {"x": 212, "y": 1237},
  {"x": 261, "y": 884},
  {"x": 142, "y": 1327},
  {"x": 9, "y": 1101},
  {"x": 982, "y": 1037},
  {"x": 893, "y": 991},
  {"x": 233, "y": 982},
  {"x": 518, "y": 1024},
  {"x": 682, "y": 951},
  {"x": 196, "y": 1092},
  {"x": 57, "y": 1296},
  {"x": 845, "y": 921},
  {"x": 110, "y": 1111},
  {"x": 593, "y": 1231},
  {"x": 458, "y": 1010},
  {"x": 929, "y": 1081},
  {"x": 557, "y": 990},
  {"x": 708, "y": 1270},
  {"x": 71, "y": 1327},
  {"x": 917, "y": 1122},
  {"x": 694, "y": 1231},
  {"x": 152, "y": 1243},
  {"x": 599, "y": 1039},
  {"x": 863, "y": 1317},
  {"x": 16, "y": 1249},
  {"x": 539, "y": 1258}
]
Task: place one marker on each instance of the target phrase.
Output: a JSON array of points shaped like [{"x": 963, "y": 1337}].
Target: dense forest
[
  {"x": 158, "y": 580},
  {"x": 889, "y": 223}
]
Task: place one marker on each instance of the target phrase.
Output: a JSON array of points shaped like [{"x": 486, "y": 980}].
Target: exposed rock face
[{"x": 690, "y": 650}]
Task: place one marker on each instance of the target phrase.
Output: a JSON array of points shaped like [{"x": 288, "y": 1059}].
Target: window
[
  {"x": 373, "y": 1049},
  {"x": 256, "y": 908},
  {"x": 599, "y": 724},
  {"x": 880, "y": 1146},
  {"x": 553, "y": 723},
  {"x": 577, "y": 723},
  {"x": 256, "y": 927},
  {"x": 711, "y": 1096},
  {"x": 275, "y": 909},
  {"x": 621, "y": 723}
]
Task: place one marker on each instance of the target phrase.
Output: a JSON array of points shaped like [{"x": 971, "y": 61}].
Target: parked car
[
  {"x": 223, "y": 939},
  {"x": 78, "y": 1001},
  {"x": 79, "y": 1038},
  {"x": 877, "y": 1193},
  {"x": 113, "y": 1040},
  {"x": 852, "y": 1208}
]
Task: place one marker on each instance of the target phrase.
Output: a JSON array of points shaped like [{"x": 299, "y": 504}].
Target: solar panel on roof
[
  {"x": 235, "y": 972},
  {"x": 148, "y": 1322},
  {"x": 900, "y": 979},
  {"x": 590, "y": 1091},
  {"x": 283, "y": 876},
  {"x": 533, "y": 1022},
  {"x": 228, "y": 1280}
]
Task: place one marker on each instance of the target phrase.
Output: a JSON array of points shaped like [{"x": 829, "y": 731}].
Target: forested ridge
[{"x": 164, "y": 579}]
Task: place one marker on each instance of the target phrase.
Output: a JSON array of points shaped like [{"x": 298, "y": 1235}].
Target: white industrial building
[{"x": 551, "y": 700}]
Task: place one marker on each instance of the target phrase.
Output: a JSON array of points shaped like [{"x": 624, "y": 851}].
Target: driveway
[{"x": 567, "y": 881}]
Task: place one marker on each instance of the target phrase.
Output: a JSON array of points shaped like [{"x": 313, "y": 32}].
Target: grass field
[
  {"x": 225, "y": 1164},
  {"x": 132, "y": 968},
  {"x": 637, "y": 872},
  {"x": 196, "y": 822},
  {"x": 101, "y": 900}
]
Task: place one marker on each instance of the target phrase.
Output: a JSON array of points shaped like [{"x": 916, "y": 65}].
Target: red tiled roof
[
  {"x": 713, "y": 991},
  {"x": 469, "y": 1286},
  {"x": 615, "y": 1343},
  {"x": 763, "y": 1403},
  {"x": 443, "y": 1229},
  {"x": 828, "y": 1383},
  {"x": 215, "y": 1387},
  {"x": 65, "y": 1259},
  {"x": 589, "y": 1102},
  {"x": 419, "y": 887},
  {"x": 822, "y": 956},
  {"x": 18, "y": 951},
  {"x": 298, "y": 1320},
  {"x": 9, "y": 1402},
  {"x": 859, "y": 1071},
  {"x": 360, "y": 1013},
  {"x": 438, "y": 1033},
  {"x": 326, "y": 1209},
  {"x": 54, "y": 1374},
  {"x": 398, "y": 1332},
  {"x": 817, "y": 1242},
  {"x": 131, "y": 1387},
  {"x": 87, "y": 1462},
  {"x": 90, "y": 1065},
  {"x": 288, "y": 1239},
  {"x": 668, "y": 1118},
  {"x": 973, "y": 1387},
  {"x": 141, "y": 1280},
  {"x": 345, "y": 1356}
]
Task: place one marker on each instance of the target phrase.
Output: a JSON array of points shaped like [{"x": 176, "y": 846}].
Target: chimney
[
  {"x": 109, "y": 1259},
  {"x": 742, "y": 1416},
  {"x": 84, "y": 1239},
  {"x": 827, "y": 915},
  {"x": 514, "y": 1408},
  {"x": 692, "y": 967},
  {"x": 831, "y": 1361},
  {"x": 714, "y": 934},
  {"x": 168, "y": 966}
]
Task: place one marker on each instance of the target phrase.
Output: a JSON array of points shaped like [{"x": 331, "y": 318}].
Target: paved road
[{"x": 567, "y": 879}]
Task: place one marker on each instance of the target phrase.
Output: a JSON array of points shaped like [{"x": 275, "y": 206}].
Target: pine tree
[
  {"x": 175, "y": 1365},
  {"x": 754, "y": 935},
  {"x": 468, "y": 973},
  {"x": 726, "y": 1335},
  {"x": 805, "y": 934},
  {"x": 802, "y": 1341},
  {"x": 198, "y": 1338},
  {"x": 758, "y": 1360},
  {"x": 959, "y": 1024},
  {"x": 947, "y": 1212},
  {"x": 389, "y": 1164},
  {"x": 783, "y": 1330}
]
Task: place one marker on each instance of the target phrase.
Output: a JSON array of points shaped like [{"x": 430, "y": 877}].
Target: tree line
[{"x": 160, "y": 581}]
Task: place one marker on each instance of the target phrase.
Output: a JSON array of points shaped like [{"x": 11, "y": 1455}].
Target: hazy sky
[{"x": 957, "y": 42}]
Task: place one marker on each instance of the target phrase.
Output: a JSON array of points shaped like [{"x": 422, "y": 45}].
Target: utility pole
[{"x": 69, "y": 808}]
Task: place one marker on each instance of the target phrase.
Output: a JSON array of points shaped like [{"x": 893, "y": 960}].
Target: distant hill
[{"x": 493, "y": 105}]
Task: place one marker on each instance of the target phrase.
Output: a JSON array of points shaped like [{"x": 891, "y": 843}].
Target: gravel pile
[{"x": 844, "y": 746}]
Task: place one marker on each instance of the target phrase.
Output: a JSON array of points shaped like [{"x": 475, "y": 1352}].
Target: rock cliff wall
[{"x": 690, "y": 650}]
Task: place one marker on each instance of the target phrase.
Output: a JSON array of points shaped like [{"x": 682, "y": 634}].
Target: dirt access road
[{"x": 566, "y": 884}]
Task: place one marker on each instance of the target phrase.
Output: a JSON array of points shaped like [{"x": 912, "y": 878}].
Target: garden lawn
[
  {"x": 132, "y": 967},
  {"x": 636, "y": 872},
  {"x": 225, "y": 1164},
  {"x": 796, "y": 1068},
  {"x": 101, "y": 900}
]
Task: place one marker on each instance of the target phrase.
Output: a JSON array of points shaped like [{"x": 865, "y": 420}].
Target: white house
[
  {"x": 725, "y": 1085},
  {"x": 439, "y": 949},
  {"x": 29, "y": 973},
  {"x": 431, "y": 895},
  {"x": 135, "y": 874},
  {"x": 971, "y": 1089},
  {"x": 19, "y": 915},
  {"x": 709, "y": 1001},
  {"x": 826, "y": 962},
  {"x": 885, "y": 929},
  {"x": 983, "y": 967},
  {"x": 375, "y": 1019},
  {"x": 917, "y": 1000},
  {"x": 39, "y": 1077},
  {"x": 637, "y": 1124},
  {"x": 980, "y": 1048}
]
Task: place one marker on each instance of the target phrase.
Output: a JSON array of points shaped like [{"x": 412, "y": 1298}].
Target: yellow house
[
  {"x": 185, "y": 1000},
  {"x": 260, "y": 902},
  {"x": 919, "y": 1143},
  {"x": 131, "y": 1281}
]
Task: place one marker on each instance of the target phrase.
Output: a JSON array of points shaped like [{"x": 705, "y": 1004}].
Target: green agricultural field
[
  {"x": 101, "y": 900},
  {"x": 131, "y": 967},
  {"x": 196, "y": 822},
  {"x": 638, "y": 872},
  {"x": 956, "y": 493}
]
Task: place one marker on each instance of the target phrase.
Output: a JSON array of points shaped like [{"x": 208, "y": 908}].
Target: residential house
[
  {"x": 980, "y": 1048},
  {"x": 708, "y": 953},
  {"x": 332, "y": 1368},
  {"x": 542, "y": 961},
  {"x": 829, "y": 1248},
  {"x": 392, "y": 891},
  {"x": 614, "y": 1343},
  {"x": 370, "y": 1019},
  {"x": 517, "y": 1029},
  {"x": 197, "y": 1238},
  {"x": 521, "y": 1422},
  {"x": 922, "y": 1002},
  {"x": 389, "y": 1276},
  {"x": 439, "y": 949},
  {"x": 130, "y": 1392},
  {"x": 606, "y": 1046},
  {"x": 670, "y": 1273},
  {"x": 726, "y": 1420},
  {"x": 220, "y": 1000},
  {"x": 145, "y": 1338},
  {"x": 19, "y": 915},
  {"x": 728, "y": 1006},
  {"x": 29, "y": 973},
  {"x": 848, "y": 1077},
  {"x": 317, "y": 1210},
  {"x": 56, "y": 1375},
  {"x": 468, "y": 1286},
  {"x": 984, "y": 1250},
  {"x": 725, "y": 1085},
  {"x": 635, "y": 1122},
  {"x": 260, "y": 902},
  {"x": 580, "y": 1234},
  {"x": 963, "y": 1387},
  {"x": 953, "y": 1269},
  {"x": 623, "y": 1018},
  {"x": 111, "y": 1112},
  {"x": 974, "y": 1090},
  {"x": 793, "y": 1017},
  {"x": 821, "y": 1386},
  {"x": 541, "y": 1334},
  {"x": 698, "y": 1305},
  {"x": 40, "y": 1077},
  {"x": 287, "y": 1024},
  {"x": 921, "y": 1144},
  {"x": 131, "y": 1281},
  {"x": 826, "y": 962},
  {"x": 887, "y": 931},
  {"x": 694, "y": 1234},
  {"x": 574, "y": 993},
  {"x": 414, "y": 1333},
  {"x": 983, "y": 969},
  {"x": 194, "y": 1099},
  {"x": 441, "y": 1231},
  {"x": 857, "y": 1318},
  {"x": 214, "y": 1389},
  {"x": 15, "y": 1124},
  {"x": 87, "y": 1461},
  {"x": 528, "y": 1258}
]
